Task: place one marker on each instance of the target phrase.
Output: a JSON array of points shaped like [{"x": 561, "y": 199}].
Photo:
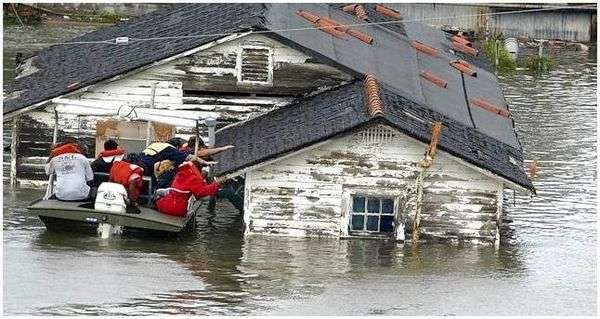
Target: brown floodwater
[{"x": 547, "y": 266}]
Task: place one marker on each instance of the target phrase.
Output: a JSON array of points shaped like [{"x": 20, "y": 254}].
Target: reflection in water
[{"x": 546, "y": 267}]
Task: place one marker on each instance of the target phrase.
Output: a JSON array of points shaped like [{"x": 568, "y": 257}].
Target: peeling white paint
[{"x": 306, "y": 193}]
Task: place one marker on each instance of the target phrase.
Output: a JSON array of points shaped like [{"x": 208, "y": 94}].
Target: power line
[{"x": 113, "y": 40}]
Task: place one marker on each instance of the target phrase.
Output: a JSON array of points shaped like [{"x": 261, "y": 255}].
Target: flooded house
[{"x": 346, "y": 121}]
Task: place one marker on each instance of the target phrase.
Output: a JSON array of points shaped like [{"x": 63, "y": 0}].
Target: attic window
[{"x": 255, "y": 65}]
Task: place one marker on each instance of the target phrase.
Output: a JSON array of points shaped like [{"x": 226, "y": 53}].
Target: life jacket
[
  {"x": 117, "y": 151},
  {"x": 65, "y": 149},
  {"x": 187, "y": 182},
  {"x": 121, "y": 172},
  {"x": 156, "y": 148}
]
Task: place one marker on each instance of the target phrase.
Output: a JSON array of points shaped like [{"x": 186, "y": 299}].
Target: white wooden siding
[{"x": 301, "y": 195}]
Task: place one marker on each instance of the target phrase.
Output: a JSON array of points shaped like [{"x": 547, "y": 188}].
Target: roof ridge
[{"x": 372, "y": 96}]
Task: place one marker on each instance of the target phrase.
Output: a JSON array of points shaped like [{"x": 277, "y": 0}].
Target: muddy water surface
[{"x": 546, "y": 267}]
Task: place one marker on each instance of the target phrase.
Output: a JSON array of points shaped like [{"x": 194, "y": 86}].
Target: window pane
[
  {"x": 387, "y": 223},
  {"x": 373, "y": 205},
  {"x": 358, "y": 204},
  {"x": 358, "y": 222},
  {"x": 387, "y": 206},
  {"x": 373, "y": 223}
]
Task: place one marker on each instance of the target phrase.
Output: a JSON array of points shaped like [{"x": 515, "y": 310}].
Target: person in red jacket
[
  {"x": 130, "y": 176},
  {"x": 188, "y": 181}
]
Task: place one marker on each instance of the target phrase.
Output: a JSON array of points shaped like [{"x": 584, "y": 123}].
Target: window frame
[
  {"x": 363, "y": 191},
  {"x": 238, "y": 65},
  {"x": 366, "y": 214}
]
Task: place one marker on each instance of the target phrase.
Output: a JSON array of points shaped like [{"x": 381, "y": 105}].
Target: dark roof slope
[
  {"x": 343, "y": 109},
  {"x": 65, "y": 68},
  {"x": 479, "y": 136}
]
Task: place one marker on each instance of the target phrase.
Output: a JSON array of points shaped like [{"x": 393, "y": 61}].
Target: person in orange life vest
[
  {"x": 69, "y": 146},
  {"x": 130, "y": 176},
  {"x": 112, "y": 152},
  {"x": 73, "y": 173},
  {"x": 188, "y": 181}
]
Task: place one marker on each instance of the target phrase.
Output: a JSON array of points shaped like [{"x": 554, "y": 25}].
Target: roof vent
[
  {"x": 361, "y": 36},
  {"x": 424, "y": 48},
  {"x": 255, "y": 65},
  {"x": 459, "y": 39},
  {"x": 490, "y": 107},
  {"x": 334, "y": 28},
  {"x": 464, "y": 67},
  {"x": 434, "y": 79},
  {"x": 464, "y": 48},
  {"x": 388, "y": 12}
]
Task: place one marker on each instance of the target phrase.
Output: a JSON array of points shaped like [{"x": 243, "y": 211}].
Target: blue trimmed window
[{"x": 372, "y": 214}]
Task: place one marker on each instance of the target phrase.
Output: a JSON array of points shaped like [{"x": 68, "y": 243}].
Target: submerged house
[{"x": 343, "y": 125}]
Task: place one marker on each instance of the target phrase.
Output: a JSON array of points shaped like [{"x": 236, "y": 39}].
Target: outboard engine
[{"x": 111, "y": 198}]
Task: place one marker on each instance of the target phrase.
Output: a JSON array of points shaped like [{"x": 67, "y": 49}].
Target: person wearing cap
[
  {"x": 73, "y": 172},
  {"x": 111, "y": 153}
]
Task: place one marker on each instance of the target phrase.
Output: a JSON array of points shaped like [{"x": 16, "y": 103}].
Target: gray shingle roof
[
  {"x": 342, "y": 110},
  {"x": 64, "y": 68}
]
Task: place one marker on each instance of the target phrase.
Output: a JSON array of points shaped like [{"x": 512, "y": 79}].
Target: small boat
[
  {"x": 59, "y": 215},
  {"x": 112, "y": 217},
  {"x": 86, "y": 216}
]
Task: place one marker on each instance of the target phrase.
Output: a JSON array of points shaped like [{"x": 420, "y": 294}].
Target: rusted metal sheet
[
  {"x": 307, "y": 194},
  {"x": 570, "y": 25}
]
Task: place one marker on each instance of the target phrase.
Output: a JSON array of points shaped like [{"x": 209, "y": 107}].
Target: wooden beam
[
  {"x": 149, "y": 123},
  {"x": 436, "y": 131},
  {"x": 55, "y": 132},
  {"x": 14, "y": 144}
]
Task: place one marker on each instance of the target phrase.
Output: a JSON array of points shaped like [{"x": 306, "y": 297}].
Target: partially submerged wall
[{"x": 309, "y": 193}]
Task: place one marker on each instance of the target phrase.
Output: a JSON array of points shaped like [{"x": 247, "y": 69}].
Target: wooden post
[
  {"x": 14, "y": 144},
  {"x": 425, "y": 164},
  {"x": 197, "y": 137},
  {"x": 55, "y": 134},
  {"x": 211, "y": 123},
  {"x": 149, "y": 126}
]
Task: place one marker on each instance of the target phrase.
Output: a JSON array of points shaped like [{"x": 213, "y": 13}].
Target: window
[
  {"x": 255, "y": 65},
  {"x": 372, "y": 214}
]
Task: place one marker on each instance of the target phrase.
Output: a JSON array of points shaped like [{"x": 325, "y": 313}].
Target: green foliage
[
  {"x": 109, "y": 17},
  {"x": 494, "y": 46},
  {"x": 537, "y": 65},
  {"x": 9, "y": 19}
]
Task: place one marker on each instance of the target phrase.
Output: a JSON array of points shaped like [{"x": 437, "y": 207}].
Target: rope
[{"x": 113, "y": 40}]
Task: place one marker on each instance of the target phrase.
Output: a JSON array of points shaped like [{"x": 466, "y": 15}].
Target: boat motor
[{"x": 112, "y": 197}]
